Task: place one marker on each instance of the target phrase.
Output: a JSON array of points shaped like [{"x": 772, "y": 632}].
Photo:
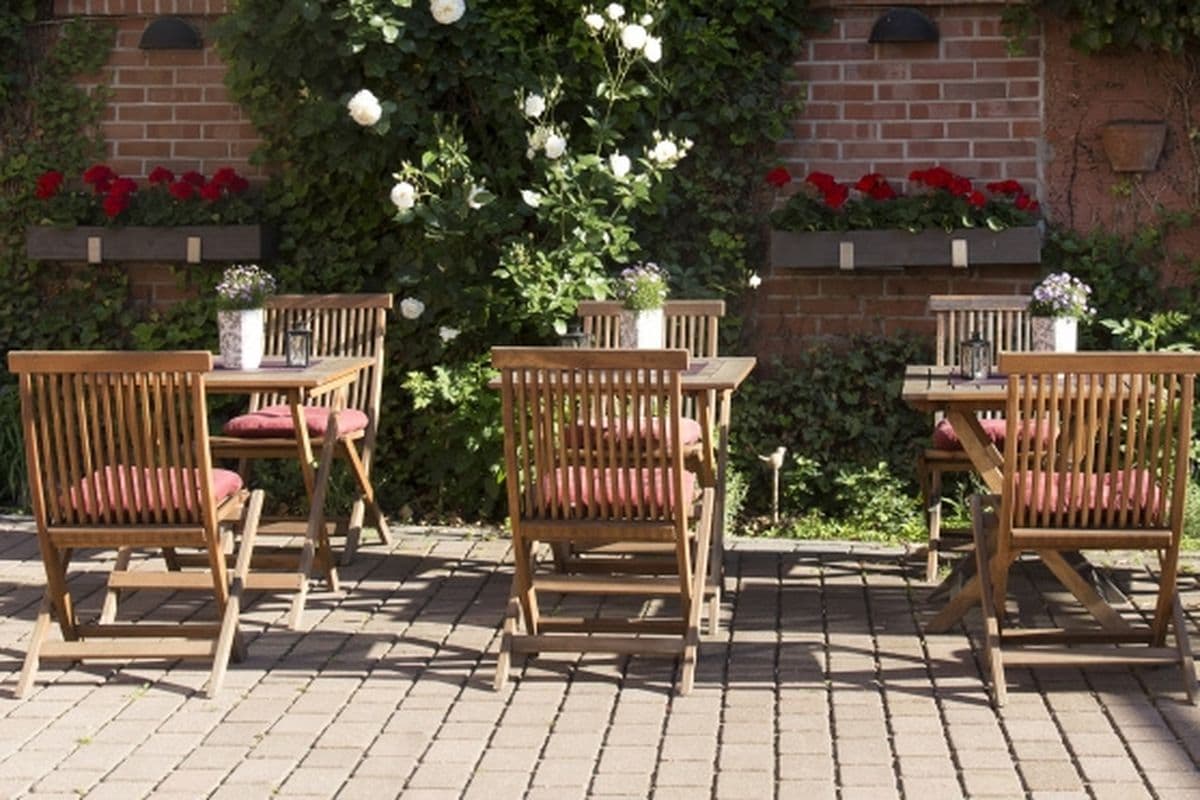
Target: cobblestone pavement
[{"x": 819, "y": 684}]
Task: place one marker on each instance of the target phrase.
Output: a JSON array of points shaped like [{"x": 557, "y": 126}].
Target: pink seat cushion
[
  {"x": 276, "y": 421},
  {"x": 649, "y": 428},
  {"x": 615, "y": 487},
  {"x": 1106, "y": 491},
  {"x": 140, "y": 489},
  {"x": 944, "y": 437}
]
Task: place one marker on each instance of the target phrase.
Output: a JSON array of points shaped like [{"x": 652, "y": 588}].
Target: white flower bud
[
  {"x": 615, "y": 11},
  {"x": 447, "y": 12},
  {"x": 664, "y": 152},
  {"x": 448, "y": 334},
  {"x": 653, "y": 49},
  {"x": 594, "y": 21},
  {"x": 647, "y": 19},
  {"x": 633, "y": 37},
  {"x": 531, "y": 198},
  {"x": 619, "y": 164},
  {"x": 364, "y": 108},
  {"x": 555, "y": 146},
  {"x": 755, "y": 281},
  {"x": 404, "y": 195},
  {"x": 535, "y": 106},
  {"x": 411, "y": 308}
]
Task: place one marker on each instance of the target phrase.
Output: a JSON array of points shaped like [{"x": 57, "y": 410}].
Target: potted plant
[
  {"x": 642, "y": 290},
  {"x": 186, "y": 218},
  {"x": 240, "y": 315},
  {"x": 1059, "y": 302},
  {"x": 868, "y": 224}
]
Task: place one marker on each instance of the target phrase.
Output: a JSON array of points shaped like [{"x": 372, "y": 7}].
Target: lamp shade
[
  {"x": 170, "y": 33},
  {"x": 903, "y": 25}
]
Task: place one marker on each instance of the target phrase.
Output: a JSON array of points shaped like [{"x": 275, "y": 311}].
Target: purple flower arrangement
[{"x": 1061, "y": 295}]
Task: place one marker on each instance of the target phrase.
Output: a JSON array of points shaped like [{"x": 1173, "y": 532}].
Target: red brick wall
[
  {"x": 962, "y": 102},
  {"x": 167, "y": 107}
]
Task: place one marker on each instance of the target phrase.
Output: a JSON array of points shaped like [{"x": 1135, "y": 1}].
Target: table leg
[
  {"x": 716, "y": 560},
  {"x": 315, "y": 532},
  {"x": 983, "y": 454},
  {"x": 303, "y": 441}
]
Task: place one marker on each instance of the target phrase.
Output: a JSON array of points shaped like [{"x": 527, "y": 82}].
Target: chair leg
[
  {"x": 229, "y": 641},
  {"x": 991, "y": 622},
  {"x": 1182, "y": 643},
  {"x": 41, "y": 629},
  {"x": 108, "y": 611},
  {"x": 504, "y": 659},
  {"x": 933, "y": 512}
]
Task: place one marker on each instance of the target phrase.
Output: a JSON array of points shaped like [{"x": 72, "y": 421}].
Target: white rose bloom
[
  {"x": 664, "y": 151},
  {"x": 555, "y": 146},
  {"x": 653, "y": 49},
  {"x": 647, "y": 19},
  {"x": 755, "y": 280},
  {"x": 404, "y": 195},
  {"x": 531, "y": 198},
  {"x": 535, "y": 105},
  {"x": 615, "y": 11},
  {"x": 633, "y": 37},
  {"x": 364, "y": 108},
  {"x": 594, "y": 21},
  {"x": 619, "y": 164},
  {"x": 411, "y": 308},
  {"x": 448, "y": 334},
  {"x": 447, "y": 12}
]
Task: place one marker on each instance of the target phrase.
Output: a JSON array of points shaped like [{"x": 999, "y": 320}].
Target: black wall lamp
[
  {"x": 170, "y": 33},
  {"x": 903, "y": 25}
]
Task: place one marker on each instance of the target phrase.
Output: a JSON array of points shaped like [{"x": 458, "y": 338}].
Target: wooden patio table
[
  {"x": 322, "y": 376},
  {"x": 942, "y": 389},
  {"x": 719, "y": 375}
]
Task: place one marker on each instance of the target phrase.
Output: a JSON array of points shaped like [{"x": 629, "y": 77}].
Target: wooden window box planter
[
  {"x": 894, "y": 249},
  {"x": 189, "y": 244}
]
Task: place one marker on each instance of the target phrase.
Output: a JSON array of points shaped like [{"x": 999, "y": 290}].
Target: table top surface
[
  {"x": 929, "y": 388},
  {"x": 275, "y": 375}
]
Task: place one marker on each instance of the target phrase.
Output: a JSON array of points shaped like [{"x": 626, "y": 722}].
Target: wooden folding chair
[
  {"x": 1004, "y": 321},
  {"x": 341, "y": 325},
  {"x": 116, "y": 446},
  {"x": 690, "y": 324},
  {"x": 693, "y": 325},
  {"x": 594, "y": 455},
  {"x": 1108, "y": 472}
]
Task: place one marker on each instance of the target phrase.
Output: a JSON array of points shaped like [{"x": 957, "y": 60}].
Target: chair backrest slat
[
  {"x": 1001, "y": 319},
  {"x": 116, "y": 438},
  {"x": 690, "y": 324},
  {"x": 593, "y": 434},
  {"x": 1097, "y": 440},
  {"x": 341, "y": 325}
]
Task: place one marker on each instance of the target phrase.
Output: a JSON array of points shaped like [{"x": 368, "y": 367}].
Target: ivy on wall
[{"x": 294, "y": 63}]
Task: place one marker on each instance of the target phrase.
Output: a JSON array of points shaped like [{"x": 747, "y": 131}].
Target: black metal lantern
[
  {"x": 975, "y": 358},
  {"x": 298, "y": 347},
  {"x": 575, "y": 337}
]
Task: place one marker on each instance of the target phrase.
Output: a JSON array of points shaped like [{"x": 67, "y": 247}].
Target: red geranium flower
[
  {"x": 160, "y": 175},
  {"x": 182, "y": 190},
  {"x": 1005, "y": 187},
  {"x": 835, "y": 196},
  {"x": 225, "y": 176},
  {"x": 977, "y": 199},
  {"x": 238, "y": 185},
  {"x": 1025, "y": 203},
  {"x": 123, "y": 187},
  {"x": 934, "y": 177},
  {"x": 210, "y": 192},
  {"x": 822, "y": 180},
  {"x": 48, "y": 184},
  {"x": 868, "y": 182},
  {"x": 960, "y": 186},
  {"x": 193, "y": 177},
  {"x": 779, "y": 177},
  {"x": 99, "y": 177},
  {"x": 114, "y": 204},
  {"x": 882, "y": 191}
]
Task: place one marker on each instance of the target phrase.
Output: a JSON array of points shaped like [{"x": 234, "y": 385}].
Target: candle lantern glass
[
  {"x": 575, "y": 337},
  {"x": 975, "y": 358},
  {"x": 299, "y": 347}
]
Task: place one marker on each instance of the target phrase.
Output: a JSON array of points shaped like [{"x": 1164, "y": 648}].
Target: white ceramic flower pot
[
  {"x": 642, "y": 329},
  {"x": 241, "y": 335},
  {"x": 1055, "y": 334}
]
